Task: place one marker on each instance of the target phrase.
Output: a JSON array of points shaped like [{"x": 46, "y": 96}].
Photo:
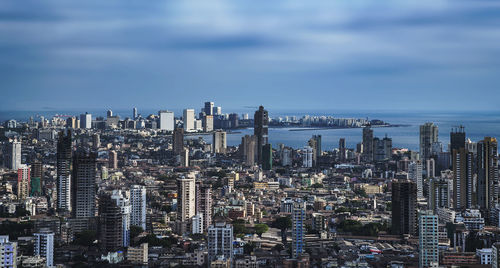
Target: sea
[{"x": 477, "y": 126}]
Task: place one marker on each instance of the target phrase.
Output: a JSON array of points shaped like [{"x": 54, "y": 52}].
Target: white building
[
  {"x": 415, "y": 175},
  {"x": 186, "y": 198},
  {"x": 44, "y": 246},
  {"x": 138, "y": 206},
  {"x": 123, "y": 202},
  {"x": 428, "y": 239},
  {"x": 220, "y": 241},
  {"x": 13, "y": 155},
  {"x": 197, "y": 224},
  {"x": 189, "y": 119},
  {"x": 484, "y": 255},
  {"x": 166, "y": 121},
  {"x": 86, "y": 120},
  {"x": 307, "y": 157}
]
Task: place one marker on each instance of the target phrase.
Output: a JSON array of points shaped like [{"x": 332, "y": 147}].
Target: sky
[{"x": 329, "y": 55}]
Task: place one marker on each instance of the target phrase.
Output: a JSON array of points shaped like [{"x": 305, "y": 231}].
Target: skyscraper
[
  {"x": 382, "y": 149},
  {"x": 36, "y": 179},
  {"x": 209, "y": 108},
  {"x": 23, "y": 182},
  {"x": 428, "y": 239},
  {"x": 134, "y": 113},
  {"x": 123, "y": 202},
  {"x": 178, "y": 141},
  {"x": 110, "y": 224},
  {"x": 86, "y": 120},
  {"x": 138, "y": 206},
  {"x": 307, "y": 157},
  {"x": 404, "y": 207},
  {"x": 342, "y": 149},
  {"x": 248, "y": 149},
  {"x": 439, "y": 193},
  {"x": 267, "y": 157},
  {"x": 457, "y": 138},
  {"x": 188, "y": 117},
  {"x": 428, "y": 136},
  {"x": 487, "y": 172},
  {"x": 315, "y": 144},
  {"x": 368, "y": 143},
  {"x": 298, "y": 228},
  {"x": 261, "y": 122},
  {"x": 44, "y": 246},
  {"x": 219, "y": 142},
  {"x": 208, "y": 123},
  {"x": 415, "y": 175},
  {"x": 64, "y": 156},
  {"x": 113, "y": 159},
  {"x": 464, "y": 193},
  {"x": 166, "y": 120},
  {"x": 204, "y": 203},
  {"x": 186, "y": 202},
  {"x": 12, "y": 158},
  {"x": 83, "y": 184},
  {"x": 220, "y": 241}
]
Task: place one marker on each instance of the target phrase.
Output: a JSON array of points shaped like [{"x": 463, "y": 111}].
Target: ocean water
[{"x": 477, "y": 126}]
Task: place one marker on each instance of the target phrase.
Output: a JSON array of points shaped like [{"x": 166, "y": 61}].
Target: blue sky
[{"x": 338, "y": 55}]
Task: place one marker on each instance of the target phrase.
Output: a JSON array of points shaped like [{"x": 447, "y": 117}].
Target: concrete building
[
  {"x": 219, "y": 144},
  {"x": 415, "y": 170},
  {"x": 307, "y": 157},
  {"x": 23, "y": 181},
  {"x": 166, "y": 120},
  {"x": 428, "y": 136},
  {"x": 86, "y": 121},
  {"x": 12, "y": 155},
  {"x": 188, "y": 117},
  {"x": 64, "y": 159},
  {"x": 298, "y": 228},
  {"x": 220, "y": 241},
  {"x": 138, "y": 255},
  {"x": 248, "y": 149},
  {"x": 428, "y": 239},
  {"x": 138, "y": 206},
  {"x": 44, "y": 246},
  {"x": 123, "y": 202},
  {"x": 8, "y": 252},
  {"x": 83, "y": 184},
  {"x": 404, "y": 207}
]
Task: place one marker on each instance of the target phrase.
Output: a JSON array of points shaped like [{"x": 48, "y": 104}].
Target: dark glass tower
[
  {"x": 261, "y": 124},
  {"x": 404, "y": 207},
  {"x": 457, "y": 138},
  {"x": 83, "y": 184}
]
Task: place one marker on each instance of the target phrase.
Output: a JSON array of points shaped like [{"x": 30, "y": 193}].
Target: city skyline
[{"x": 370, "y": 55}]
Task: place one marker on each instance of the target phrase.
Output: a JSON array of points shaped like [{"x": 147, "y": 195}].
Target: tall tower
[
  {"x": 457, "y": 138},
  {"x": 298, "y": 228},
  {"x": 248, "y": 149},
  {"x": 44, "y": 246},
  {"x": 220, "y": 241},
  {"x": 209, "y": 108},
  {"x": 404, "y": 207},
  {"x": 204, "y": 203},
  {"x": 315, "y": 144},
  {"x": 219, "y": 142},
  {"x": 261, "y": 122},
  {"x": 83, "y": 184},
  {"x": 86, "y": 120},
  {"x": 186, "y": 199},
  {"x": 428, "y": 239},
  {"x": 464, "y": 193},
  {"x": 342, "y": 149},
  {"x": 415, "y": 175},
  {"x": 134, "y": 113},
  {"x": 64, "y": 155},
  {"x": 36, "y": 179},
  {"x": 487, "y": 161},
  {"x": 123, "y": 202},
  {"x": 13, "y": 155},
  {"x": 368, "y": 143},
  {"x": 138, "y": 206},
  {"x": 110, "y": 224},
  {"x": 188, "y": 117},
  {"x": 428, "y": 136},
  {"x": 166, "y": 120},
  {"x": 23, "y": 182},
  {"x": 178, "y": 141}
]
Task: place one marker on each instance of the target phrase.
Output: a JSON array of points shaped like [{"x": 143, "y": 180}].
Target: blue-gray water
[{"x": 477, "y": 126}]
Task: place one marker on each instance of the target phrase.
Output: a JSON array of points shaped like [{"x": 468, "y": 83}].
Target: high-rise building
[
  {"x": 178, "y": 141},
  {"x": 298, "y": 228},
  {"x": 487, "y": 172},
  {"x": 71, "y": 122},
  {"x": 96, "y": 141},
  {"x": 208, "y": 123},
  {"x": 209, "y": 108},
  {"x": 248, "y": 149},
  {"x": 109, "y": 113},
  {"x": 439, "y": 193},
  {"x": 428, "y": 136},
  {"x": 110, "y": 224},
  {"x": 220, "y": 241},
  {"x": 112, "y": 159},
  {"x": 83, "y": 184},
  {"x": 166, "y": 120},
  {"x": 457, "y": 138},
  {"x": 342, "y": 149},
  {"x": 134, "y": 113},
  {"x": 8, "y": 252},
  {"x": 261, "y": 122},
  {"x": 23, "y": 182},
  {"x": 382, "y": 149},
  {"x": 495, "y": 255},
  {"x": 44, "y": 246},
  {"x": 123, "y": 202},
  {"x": 64, "y": 156},
  {"x": 186, "y": 198},
  {"x": 315, "y": 144},
  {"x": 188, "y": 117},
  {"x": 86, "y": 120},
  {"x": 368, "y": 143},
  {"x": 138, "y": 206},
  {"x": 219, "y": 142},
  {"x": 36, "y": 179},
  {"x": 217, "y": 110},
  {"x": 267, "y": 157},
  {"x": 415, "y": 175},
  {"x": 431, "y": 168},
  {"x": 12, "y": 155},
  {"x": 404, "y": 207},
  {"x": 204, "y": 203},
  {"x": 197, "y": 224},
  {"x": 428, "y": 239},
  {"x": 464, "y": 190},
  {"x": 307, "y": 157}
]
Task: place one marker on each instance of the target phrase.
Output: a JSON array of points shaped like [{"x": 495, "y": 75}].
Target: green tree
[
  {"x": 261, "y": 228},
  {"x": 135, "y": 231},
  {"x": 248, "y": 248}
]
